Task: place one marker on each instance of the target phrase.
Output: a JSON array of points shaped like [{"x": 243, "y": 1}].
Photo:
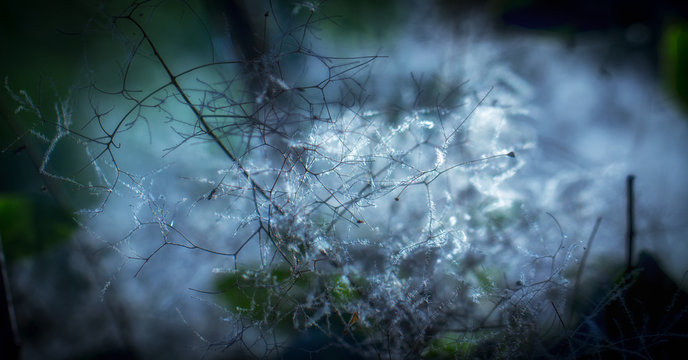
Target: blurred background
[{"x": 605, "y": 83}]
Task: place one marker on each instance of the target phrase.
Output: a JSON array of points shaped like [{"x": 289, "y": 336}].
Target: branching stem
[{"x": 206, "y": 127}]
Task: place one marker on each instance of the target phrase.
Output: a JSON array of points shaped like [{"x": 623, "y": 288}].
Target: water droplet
[{"x": 426, "y": 124}]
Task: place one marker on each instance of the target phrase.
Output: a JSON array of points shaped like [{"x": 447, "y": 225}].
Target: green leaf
[
  {"x": 29, "y": 225},
  {"x": 674, "y": 54}
]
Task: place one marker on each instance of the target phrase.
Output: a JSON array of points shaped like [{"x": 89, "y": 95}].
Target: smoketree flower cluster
[{"x": 287, "y": 193}]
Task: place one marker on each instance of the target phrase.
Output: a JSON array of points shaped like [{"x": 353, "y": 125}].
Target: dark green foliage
[
  {"x": 674, "y": 51},
  {"x": 30, "y": 225}
]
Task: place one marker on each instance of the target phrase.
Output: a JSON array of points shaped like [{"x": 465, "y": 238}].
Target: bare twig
[
  {"x": 630, "y": 226},
  {"x": 579, "y": 273},
  {"x": 206, "y": 127}
]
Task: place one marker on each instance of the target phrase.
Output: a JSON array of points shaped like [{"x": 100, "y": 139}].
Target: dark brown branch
[
  {"x": 206, "y": 127},
  {"x": 630, "y": 226},
  {"x": 9, "y": 336}
]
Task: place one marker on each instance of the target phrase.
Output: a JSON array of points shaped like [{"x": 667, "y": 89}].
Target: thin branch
[
  {"x": 630, "y": 226},
  {"x": 206, "y": 127}
]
